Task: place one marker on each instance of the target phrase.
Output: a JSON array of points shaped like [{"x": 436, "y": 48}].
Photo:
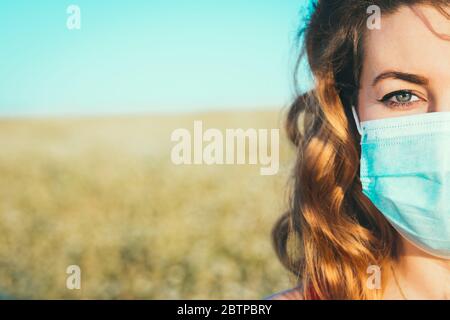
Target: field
[{"x": 102, "y": 193}]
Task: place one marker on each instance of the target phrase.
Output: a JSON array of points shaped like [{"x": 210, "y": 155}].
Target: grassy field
[{"x": 103, "y": 194}]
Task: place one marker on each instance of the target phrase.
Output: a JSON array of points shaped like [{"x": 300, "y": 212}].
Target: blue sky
[{"x": 146, "y": 55}]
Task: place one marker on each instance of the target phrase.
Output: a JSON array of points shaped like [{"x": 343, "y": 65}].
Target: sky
[{"x": 153, "y": 56}]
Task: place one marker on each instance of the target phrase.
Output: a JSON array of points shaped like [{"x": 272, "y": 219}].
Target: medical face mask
[{"x": 405, "y": 172}]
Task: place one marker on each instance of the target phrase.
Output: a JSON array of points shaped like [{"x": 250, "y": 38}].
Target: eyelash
[{"x": 399, "y": 105}]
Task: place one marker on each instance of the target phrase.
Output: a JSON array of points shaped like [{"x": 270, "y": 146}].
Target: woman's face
[{"x": 406, "y": 67}]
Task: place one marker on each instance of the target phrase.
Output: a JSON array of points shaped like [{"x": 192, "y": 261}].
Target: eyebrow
[{"x": 408, "y": 77}]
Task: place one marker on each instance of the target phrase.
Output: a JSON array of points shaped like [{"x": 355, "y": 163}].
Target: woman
[{"x": 370, "y": 208}]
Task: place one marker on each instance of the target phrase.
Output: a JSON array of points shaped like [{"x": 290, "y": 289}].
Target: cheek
[{"x": 368, "y": 107}]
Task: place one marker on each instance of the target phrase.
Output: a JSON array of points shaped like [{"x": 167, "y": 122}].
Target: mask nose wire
[{"x": 358, "y": 124}]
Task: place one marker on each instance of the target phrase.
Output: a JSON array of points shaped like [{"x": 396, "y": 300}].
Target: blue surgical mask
[{"x": 405, "y": 172}]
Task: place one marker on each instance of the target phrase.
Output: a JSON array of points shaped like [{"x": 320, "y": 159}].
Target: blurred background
[{"x": 86, "y": 117}]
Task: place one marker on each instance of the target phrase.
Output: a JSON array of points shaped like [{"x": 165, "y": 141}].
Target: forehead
[{"x": 406, "y": 43}]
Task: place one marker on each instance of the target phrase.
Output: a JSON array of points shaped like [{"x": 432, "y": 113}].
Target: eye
[{"x": 401, "y": 98}]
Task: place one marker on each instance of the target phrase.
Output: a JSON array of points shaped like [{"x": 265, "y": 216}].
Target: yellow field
[{"x": 103, "y": 194}]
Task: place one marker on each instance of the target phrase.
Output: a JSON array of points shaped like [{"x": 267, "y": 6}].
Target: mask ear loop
[{"x": 358, "y": 124}]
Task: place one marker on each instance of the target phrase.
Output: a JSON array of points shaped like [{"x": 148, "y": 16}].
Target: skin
[
  {"x": 411, "y": 41},
  {"x": 406, "y": 44}
]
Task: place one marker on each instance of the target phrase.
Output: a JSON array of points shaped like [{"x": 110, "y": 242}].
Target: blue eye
[{"x": 400, "y": 98}]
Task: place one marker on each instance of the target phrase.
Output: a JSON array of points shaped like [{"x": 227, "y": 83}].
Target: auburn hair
[{"x": 332, "y": 232}]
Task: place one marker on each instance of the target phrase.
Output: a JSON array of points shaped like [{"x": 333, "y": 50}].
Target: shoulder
[{"x": 291, "y": 294}]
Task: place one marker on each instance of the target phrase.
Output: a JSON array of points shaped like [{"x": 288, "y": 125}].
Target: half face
[{"x": 406, "y": 66}]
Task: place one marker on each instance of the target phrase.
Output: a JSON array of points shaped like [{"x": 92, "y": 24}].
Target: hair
[{"x": 332, "y": 232}]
